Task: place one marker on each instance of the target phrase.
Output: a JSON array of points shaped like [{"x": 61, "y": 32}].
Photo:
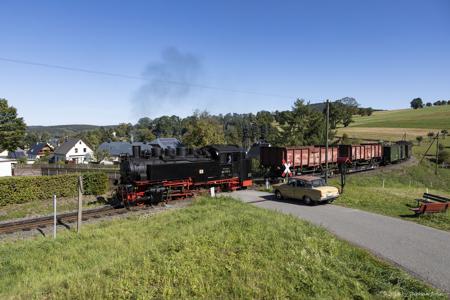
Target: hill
[
  {"x": 63, "y": 130},
  {"x": 394, "y": 124},
  {"x": 436, "y": 117}
]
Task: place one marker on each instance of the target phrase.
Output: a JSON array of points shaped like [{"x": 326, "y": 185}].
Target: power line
[{"x": 82, "y": 70}]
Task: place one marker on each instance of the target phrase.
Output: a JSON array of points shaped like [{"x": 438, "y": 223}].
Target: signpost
[
  {"x": 54, "y": 216},
  {"x": 326, "y": 142},
  {"x": 287, "y": 169},
  {"x": 80, "y": 203}
]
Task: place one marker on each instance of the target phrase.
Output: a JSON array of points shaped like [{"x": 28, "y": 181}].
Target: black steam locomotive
[{"x": 161, "y": 174}]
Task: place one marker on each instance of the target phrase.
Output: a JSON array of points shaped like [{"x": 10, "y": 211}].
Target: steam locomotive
[{"x": 156, "y": 175}]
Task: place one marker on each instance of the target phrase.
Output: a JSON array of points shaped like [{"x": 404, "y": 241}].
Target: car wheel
[
  {"x": 307, "y": 200},
  {"x": 278, "y": 195}
]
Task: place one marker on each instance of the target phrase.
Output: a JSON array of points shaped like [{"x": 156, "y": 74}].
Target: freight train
[
  {"x": 312, "y": 159},
  {"x": 157, "y": 175}
]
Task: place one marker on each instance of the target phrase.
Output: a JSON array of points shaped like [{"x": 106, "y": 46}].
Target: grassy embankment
[
  {"x": 404, "y": 184},
  {"x": 396, "y": 123},
  {"x": 217, "y": 248},
  {"x": 45, "y": 207}
]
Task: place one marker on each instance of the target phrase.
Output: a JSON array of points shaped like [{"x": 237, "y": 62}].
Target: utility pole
[
  {"x": 437, "y": 154},
  {"x": 326, "y": 142}
]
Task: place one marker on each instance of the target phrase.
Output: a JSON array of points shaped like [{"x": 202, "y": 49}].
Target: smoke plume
[{"x": 167, "y": 83}]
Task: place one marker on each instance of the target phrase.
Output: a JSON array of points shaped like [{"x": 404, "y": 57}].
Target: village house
[
  {"x": 6, "y": 166},
  {"x": 40, "y": 150},
  {"x": 73, "y": 150},
  {"x": 116, "y": 149}
]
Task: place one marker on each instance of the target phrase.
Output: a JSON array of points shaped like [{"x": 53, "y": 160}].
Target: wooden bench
[
  {"x": 435, "y": 198},
  {"x": 430, "y": 207}
]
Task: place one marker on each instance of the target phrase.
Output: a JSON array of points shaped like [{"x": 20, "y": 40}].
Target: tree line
[
  {"x": 417, "y": 103},
  {"x": 303, "y": 124}
]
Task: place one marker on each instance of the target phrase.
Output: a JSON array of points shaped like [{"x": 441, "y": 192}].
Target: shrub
[
  {"x": 444, "y": 156},
  {"x": 36, "y": 188}
]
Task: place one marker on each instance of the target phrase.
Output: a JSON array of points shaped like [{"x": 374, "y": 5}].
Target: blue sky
[{"x": 383, "y": 53}]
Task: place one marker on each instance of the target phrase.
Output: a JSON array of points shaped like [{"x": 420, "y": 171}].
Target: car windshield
[{"x": 317, "y": 182}]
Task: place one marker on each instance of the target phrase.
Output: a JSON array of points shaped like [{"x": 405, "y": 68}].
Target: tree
[
  {"x": 417, "y": 103},
  {"x": 144, "y": 134},
  {"x": 101, "y": 154},
  {"x": 203, "y": 130},
  {"x": 12, "y": 128},
  {"x": 302, "y": 126},
  {"x": 429, "y": 104},
  {"x": 419, "y": 139},
  {"x": 430, "y": 135},
  {"x": 444, "y": 156},
  {"x": 444, "y": 132}
]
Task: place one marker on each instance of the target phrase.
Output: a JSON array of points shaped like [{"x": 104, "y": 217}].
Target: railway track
[{"x": 63, "y": 219}]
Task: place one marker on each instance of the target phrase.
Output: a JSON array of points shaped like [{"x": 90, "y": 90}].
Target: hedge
[{"x": 32, "y": 188}]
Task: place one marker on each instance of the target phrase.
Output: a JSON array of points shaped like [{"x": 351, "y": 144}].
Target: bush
[
  {"x": 36, "y": 188},
  {"x": 444, "y": 156}
]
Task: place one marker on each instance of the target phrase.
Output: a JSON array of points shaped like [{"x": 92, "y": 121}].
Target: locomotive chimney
[{"x": 136, "y": 151}]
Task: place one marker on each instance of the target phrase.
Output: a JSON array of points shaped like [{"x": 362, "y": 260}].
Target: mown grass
[
  {"x": 401, "y": 189},
  {"x": 428, "y": 117},
  {"x": 217, "y": 248},
  {"x": 45, "y": 207}
]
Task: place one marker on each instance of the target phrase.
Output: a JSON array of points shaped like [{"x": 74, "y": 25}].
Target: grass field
[
  {"x": 45, "y": 207},
  {"x": 401, "y": 189},
  {"x": 404, "y": 184},
  {"x": 429, "y": 117},
  {"x": 215, "y": 249},
  {"x": 394, "y": 124}
]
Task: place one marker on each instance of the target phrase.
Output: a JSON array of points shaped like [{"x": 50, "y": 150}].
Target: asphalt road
[{"x": 422, "y": 251}]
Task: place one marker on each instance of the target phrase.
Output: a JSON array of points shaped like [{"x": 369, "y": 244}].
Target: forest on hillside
[{"x": 303, "y": 124}]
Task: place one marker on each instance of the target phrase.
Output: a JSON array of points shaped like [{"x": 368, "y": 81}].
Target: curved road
[{"x": 422, "y": 251}]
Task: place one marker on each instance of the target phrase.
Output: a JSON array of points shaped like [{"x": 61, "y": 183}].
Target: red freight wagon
[
  {"x": 372, "y": 151},
  {"x": 361, "y": 153},
  {"x": 332, "y": 154},
  {"x": 298, "y": 157},
  {"x": 273, "y": 157}
]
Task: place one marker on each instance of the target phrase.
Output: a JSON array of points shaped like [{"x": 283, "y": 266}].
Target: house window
[
  {"x": 76, "y": 150},
  {"x": 84, "y": 150}
]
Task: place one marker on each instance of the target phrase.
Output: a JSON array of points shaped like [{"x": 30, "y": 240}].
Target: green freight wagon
[
  {"x": 391, "y": 153},
  {"x": 405, "y": 149}
]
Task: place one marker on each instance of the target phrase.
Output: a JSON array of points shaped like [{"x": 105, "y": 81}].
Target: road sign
[{"x": 287, "y": 169}]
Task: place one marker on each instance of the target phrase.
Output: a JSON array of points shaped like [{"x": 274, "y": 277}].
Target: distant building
[
  {"x": 6, "y": 167},
  {"x": 73, "y": 150},
  {"x": 165, "y": 143},
  {"x": 17, "y": 154},
  {"x": 116, "y": 149},
  {"x": 39, "y": 150},
  {"x": 3, "y": 153}
]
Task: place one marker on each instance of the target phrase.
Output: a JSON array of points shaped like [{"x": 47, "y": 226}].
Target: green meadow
[{"x": 216, "y": 249}]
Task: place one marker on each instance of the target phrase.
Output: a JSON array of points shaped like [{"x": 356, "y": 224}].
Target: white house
[
  {"x": 74, "y": 150},
  {"x": 6, "y": 167},
  {"x": 3, "y": 153}
]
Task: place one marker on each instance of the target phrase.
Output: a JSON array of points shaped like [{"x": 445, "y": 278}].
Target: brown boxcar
[
  {"x": 300, "y": 158},
  {"x": 361, "y": 153}
]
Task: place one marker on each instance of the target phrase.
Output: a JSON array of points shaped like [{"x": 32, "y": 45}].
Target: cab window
[{"x": 292, "y": 182}]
